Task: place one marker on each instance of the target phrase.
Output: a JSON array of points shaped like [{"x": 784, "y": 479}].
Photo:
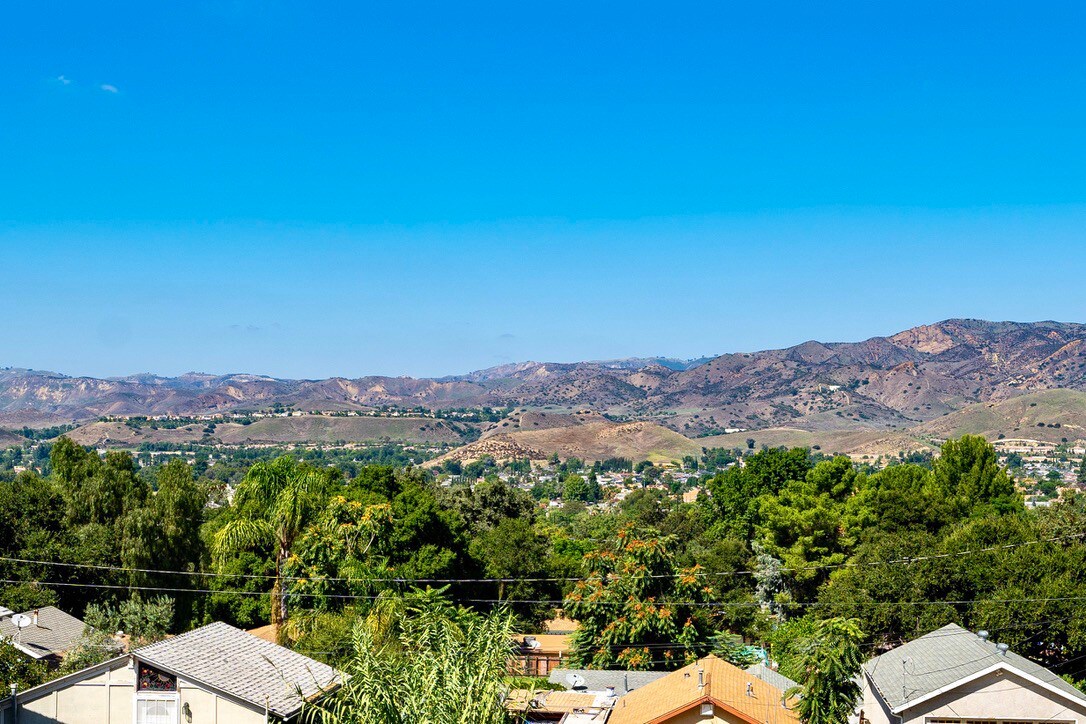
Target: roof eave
[{"x": 999, "y": 666}]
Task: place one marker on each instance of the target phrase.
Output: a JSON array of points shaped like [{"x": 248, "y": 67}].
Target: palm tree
[{"x": 272, "y": 504}]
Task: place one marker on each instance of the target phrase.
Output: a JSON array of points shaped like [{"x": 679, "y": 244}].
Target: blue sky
[{"x": 315, "y": 189}]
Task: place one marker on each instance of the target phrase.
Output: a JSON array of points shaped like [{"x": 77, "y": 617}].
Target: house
[
  {"x": 212, "y": 675},
  {"x": 954, "y": 676},
  {"x": 539, "y": 654},
  {"x": 50, "y": 633},
  {"x": 709, "y": 691}
]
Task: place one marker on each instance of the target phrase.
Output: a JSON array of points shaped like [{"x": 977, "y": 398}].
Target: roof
[
  {"x": 725, "y": 686},
  {"x": 264, "y": 632},
  {"x": 943, "y": 659},
  {"x": 771, "y": 676},
  {"x": 55, "y": 632},
  {"x": 598, "y": 680},
  {"x": 548, "y": 643},
  {"x": 576, "y": 707},
  {"x": 560, "y": 625},
  {"x": 242, "y": 666}
]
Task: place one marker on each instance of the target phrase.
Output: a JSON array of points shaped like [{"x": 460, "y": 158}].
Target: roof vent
[
  {"x": 1002, "y": 649},
  {"x": 982, "y": 635}
]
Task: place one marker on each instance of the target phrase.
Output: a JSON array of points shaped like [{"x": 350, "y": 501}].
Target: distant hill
[
  {"x": 593, "y": 440},
  {"x": 882, "y": 384},
  {"x": 1049, "y": 415},
  {"x": 275, "y": 430}
]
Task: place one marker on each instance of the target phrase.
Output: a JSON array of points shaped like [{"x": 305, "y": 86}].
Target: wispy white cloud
[
  {"x": 63, "y": 80},
  {"x": 108, "y": 88}
]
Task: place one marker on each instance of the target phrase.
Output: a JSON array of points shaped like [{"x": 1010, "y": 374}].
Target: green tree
[
  {"x": 514, "y": 550},
  {"x": 637, "y": 609},
  {"x": 19, "y": 669},
  {"x": 735, "y": 491},
  {"x": 968, "y": 470},
  {"x": 422, "y": 663},
  {"x": 827, "y": 664},
  {"x": 272, "y": 507}
]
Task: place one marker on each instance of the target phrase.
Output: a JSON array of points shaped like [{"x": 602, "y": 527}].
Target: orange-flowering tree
[{"x": 637, "y": 609}]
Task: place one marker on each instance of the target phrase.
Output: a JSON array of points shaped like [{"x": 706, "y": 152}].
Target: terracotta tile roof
[
  {"x": 561, "y": 625},
  {"x": 555, "y": 702},
  {"x": 264, "y": 632},
  {"x": 725, "y": 687},
  {"x": 550, "y": 643}
]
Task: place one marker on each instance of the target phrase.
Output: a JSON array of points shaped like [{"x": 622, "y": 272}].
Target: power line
[
  {"x": 542, "y": 579},
  {"x": 550, "y": 602}
]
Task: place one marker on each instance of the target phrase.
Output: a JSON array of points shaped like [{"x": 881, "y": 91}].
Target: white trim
[
  {"x": 139, "y": 696},
  {"x": 1000, "y": 666}
]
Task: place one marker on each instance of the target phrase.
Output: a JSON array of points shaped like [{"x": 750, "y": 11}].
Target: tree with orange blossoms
[{"x": 637, "y": 609}]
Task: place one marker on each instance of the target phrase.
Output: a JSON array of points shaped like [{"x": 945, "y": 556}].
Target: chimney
[
  {"x": 35, "y": 617},
  {"x": 701, "y": 679},
  {"x": 750, "y": 688}
]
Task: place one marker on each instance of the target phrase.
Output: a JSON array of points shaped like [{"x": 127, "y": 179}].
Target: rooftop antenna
[{"x": 21, "y": 621}]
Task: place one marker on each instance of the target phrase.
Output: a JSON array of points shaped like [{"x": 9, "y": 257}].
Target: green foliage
[
  {"x": 422, "y": 663},
  {"x": 19, "y": 669},
  {"x": 272, "y": 506},
  {"x": 735, "y": 492},
  {"x": 827, "y": 663},
  {"x": 637, "y": 609}
]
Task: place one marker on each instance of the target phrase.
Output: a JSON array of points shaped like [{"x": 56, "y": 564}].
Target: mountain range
[{"x": 892, "y": 382}]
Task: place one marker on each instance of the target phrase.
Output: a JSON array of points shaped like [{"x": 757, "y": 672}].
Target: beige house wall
[
  {"x": 999, "y": 695},
  {"x": 107, "y": 698}
]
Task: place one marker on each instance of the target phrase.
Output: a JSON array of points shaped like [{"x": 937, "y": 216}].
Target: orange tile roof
[
  {"x": 552, "y": 702},
  {"x": 552, "y": 643},
  {"x": 264, "y": 632},
  {"x": 725, "y": 687}
]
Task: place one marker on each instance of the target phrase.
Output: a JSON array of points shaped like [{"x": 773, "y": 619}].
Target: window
[
  {"x": 156, "y": 696},
  {"x": 156, "y": 709}
]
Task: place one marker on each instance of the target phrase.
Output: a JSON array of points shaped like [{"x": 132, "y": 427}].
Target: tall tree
[
  {"x": 637, "y": 609},
  {"x": 272, "y": 506},
  {"x": 827, "y": 664}
]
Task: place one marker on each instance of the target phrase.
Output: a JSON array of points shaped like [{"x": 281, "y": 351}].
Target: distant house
[
  {"x": 538, "y": 654},
  {"x": 710, "y": 691},
  {"x": 954, "y": 676},
  {"x": 213, "y": 675},
  {"x": 49, "y": 636}
]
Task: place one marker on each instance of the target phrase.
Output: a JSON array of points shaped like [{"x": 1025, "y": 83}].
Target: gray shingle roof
[
  {"x": 769, "y": 676},
  {"x": 600, "y": 679},
  {"x": 942, "y": 657},
  {"x": 55, "y": 632},
  {"x": 243, "y": 666}
]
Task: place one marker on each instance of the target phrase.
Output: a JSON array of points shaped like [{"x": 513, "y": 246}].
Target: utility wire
[{"x": 530, "y": 579}]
